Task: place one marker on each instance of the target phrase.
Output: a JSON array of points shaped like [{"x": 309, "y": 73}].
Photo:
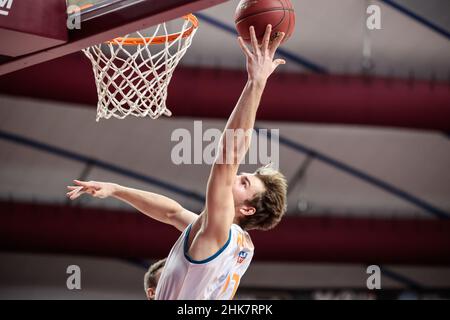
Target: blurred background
[{"x": 364, "y": 126}]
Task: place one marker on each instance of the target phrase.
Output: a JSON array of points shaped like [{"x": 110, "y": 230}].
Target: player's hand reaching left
[
  {"x": 94, "y": 188},
  {"x": 260, "y": 59}
]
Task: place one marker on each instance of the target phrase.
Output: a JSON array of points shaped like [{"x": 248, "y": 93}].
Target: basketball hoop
[{"x": 133, "y": 80}]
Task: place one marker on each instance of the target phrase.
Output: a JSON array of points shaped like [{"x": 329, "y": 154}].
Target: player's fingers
[
  {"x": 266, "y": 40},
  {"x": 90, "y": 185},
  {"x": 77, "y": 189},
  {"x": 81, "y": 183},
  {"x": 278, "y": 62},
  {"x": 276, "y": 43},
  {"x": 255, "y": 44},
  {"x": 74, "y": 187},
  {"x": 75, "y": 195},
  {"x": 244, "y": 47},
  {"x": 72, "y": 191},
  {"x": 78, "y": 193}
]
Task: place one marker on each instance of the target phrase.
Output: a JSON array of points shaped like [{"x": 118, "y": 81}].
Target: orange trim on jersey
[
  {"x": 236, "y": 279},
  {"x": 226, "y": 285},
  {"x": 240, "y": 240}
]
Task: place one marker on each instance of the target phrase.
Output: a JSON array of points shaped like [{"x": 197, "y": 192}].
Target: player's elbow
[
  {"x": 173, "y": 216},
  {"x": 173, "y": 212}
]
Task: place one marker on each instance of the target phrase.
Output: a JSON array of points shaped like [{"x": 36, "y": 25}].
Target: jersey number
[{"x": 235, "y": 279}]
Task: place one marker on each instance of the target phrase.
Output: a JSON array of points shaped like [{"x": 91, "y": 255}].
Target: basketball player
[
  {"x": 151, "y": 278},
  {"x": 215, "y": 249}
]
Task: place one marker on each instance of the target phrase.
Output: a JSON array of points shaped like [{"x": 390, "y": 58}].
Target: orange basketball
[{"x": 259, "y": 13}]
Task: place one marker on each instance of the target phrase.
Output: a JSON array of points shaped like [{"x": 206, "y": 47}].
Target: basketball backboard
[{"x": 46, "y": 36}]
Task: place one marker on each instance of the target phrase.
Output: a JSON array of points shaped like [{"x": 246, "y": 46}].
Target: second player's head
[{"x": 151, "y": 278}]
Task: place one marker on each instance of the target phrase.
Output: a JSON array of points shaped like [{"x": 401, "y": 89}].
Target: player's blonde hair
[{"x": 271, "y": 204}]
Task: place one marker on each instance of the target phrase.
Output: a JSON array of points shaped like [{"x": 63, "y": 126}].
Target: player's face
[{"x": 245, "y": 187}]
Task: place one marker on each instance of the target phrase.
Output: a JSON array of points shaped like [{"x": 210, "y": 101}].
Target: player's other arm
[
  {"x": 236, "y": 138},
  {"x": 155, "y": 206}
]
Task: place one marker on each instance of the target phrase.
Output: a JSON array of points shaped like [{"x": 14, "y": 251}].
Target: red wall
[
  {"x": 73, "y": 230},
  {"x": 210, "y": 93}
]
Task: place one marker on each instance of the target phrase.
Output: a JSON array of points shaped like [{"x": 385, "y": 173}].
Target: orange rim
[
  {"x": 159, "y": 39},
  {"x": 78, "y": 9},
  {"x": 86, "y": 6}
]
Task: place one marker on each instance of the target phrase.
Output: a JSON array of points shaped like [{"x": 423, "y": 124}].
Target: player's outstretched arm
[
  {"x": 151, "y": 204},
  {"x": 236, "y": 137}
]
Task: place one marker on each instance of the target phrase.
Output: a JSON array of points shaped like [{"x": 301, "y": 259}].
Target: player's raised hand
[
  {"x": 260, "y": 59},
  {"x": 94, "y": 188}
]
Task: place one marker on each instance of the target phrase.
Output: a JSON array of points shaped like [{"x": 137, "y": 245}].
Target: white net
[{"x": 133, "y": 79}]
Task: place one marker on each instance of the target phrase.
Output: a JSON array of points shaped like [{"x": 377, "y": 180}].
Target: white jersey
[{"x": 215, "y": 278}]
